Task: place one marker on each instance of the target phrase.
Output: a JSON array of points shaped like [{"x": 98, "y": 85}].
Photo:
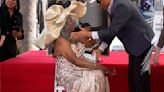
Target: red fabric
[
  {"x": 34, "y": 72},
  {"x": 119, "y": 82},
  {"x": 29, "y": 72}
]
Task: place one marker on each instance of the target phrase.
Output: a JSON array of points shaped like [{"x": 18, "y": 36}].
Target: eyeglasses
[{"x": 98, "y": 1}]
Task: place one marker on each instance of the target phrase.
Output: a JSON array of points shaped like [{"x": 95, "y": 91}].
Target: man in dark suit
[{"x": 129, "y": 26}]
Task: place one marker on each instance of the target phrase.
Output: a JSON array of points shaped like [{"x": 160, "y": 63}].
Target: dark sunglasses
[{"x": 98, "y": 1}]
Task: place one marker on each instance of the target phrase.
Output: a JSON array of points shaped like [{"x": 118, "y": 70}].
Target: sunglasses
[{"x": 98, "y": 1}]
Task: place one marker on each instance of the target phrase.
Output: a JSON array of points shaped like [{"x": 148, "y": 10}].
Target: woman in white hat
[{"x": 74, "y": 72}]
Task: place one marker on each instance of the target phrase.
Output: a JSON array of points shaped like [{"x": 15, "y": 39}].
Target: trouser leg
[{"x": 138, "y": 82}]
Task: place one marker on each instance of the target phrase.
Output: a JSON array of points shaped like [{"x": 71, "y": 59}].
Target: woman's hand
[
  {"x": 88, "y": 43},
  {"x": 16, "y": 34},
  {"x": 106, "y": 71}
]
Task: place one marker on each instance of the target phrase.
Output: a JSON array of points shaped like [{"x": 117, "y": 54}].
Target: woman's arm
[{"x": 62, "y": 47}]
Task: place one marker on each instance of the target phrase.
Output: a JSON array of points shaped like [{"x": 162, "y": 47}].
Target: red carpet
[
  {"x": 34, "y": 72},
  {"x": 118, "y": 83}
]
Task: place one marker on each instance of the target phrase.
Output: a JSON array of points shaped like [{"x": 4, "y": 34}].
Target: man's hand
[
  {"x": 81, "y": 35},
  {"x": 156, "y": 61},
  {"x": 156, "y": 56}
]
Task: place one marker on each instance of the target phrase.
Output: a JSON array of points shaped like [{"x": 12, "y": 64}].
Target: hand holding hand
[{"x": 81, "y": 35}]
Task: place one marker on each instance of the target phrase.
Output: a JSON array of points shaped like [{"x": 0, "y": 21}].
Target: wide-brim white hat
[{"x": 55, "y": 20}]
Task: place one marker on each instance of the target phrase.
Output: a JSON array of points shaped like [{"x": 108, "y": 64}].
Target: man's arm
[
  {"x": 103, "y": 46},
  {"x": 119, "y": 18}
]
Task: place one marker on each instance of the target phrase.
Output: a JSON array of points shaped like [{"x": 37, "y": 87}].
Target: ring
[{"x": 90, "y": 39}]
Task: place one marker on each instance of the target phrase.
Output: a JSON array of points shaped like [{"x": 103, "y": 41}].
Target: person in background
[
  {"x": 129, "y": 26},
  {"x": 0, "y": 3},
  {"x": 51, "y": 2},
  {"x": 159, "y": 45},
  {"x": 11, "y": 27},
  {"x": 2, "y": 34},
  {"x": 145, "y": 6}
]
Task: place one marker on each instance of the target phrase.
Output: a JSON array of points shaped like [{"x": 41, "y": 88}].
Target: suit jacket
[{"x": 129, "y": 26}]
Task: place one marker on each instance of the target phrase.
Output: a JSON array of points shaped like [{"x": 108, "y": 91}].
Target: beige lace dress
[{"x": 78, "y": 79}]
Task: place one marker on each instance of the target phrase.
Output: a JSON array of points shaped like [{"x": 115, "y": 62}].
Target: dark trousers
[
  {"x": 7, "y": 52},
  {"x": 138, "y": 82}
]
